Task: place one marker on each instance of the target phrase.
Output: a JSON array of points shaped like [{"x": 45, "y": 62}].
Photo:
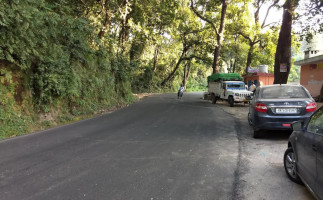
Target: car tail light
[
  {"x": 311, "y": 107},
  {"x": 260, "y": 107}
]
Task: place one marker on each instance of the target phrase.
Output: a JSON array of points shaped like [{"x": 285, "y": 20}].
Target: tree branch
[
  {"x": 270, "y": 24},
  {"x": 267, "y": 13},
  {"x": 256, "y": 14},
  {"x": 171, "y": 75},
  {"x": 245, "y": 36},
  {"x": 193, "y": 56},
  {"x": 203, "y": 18}
]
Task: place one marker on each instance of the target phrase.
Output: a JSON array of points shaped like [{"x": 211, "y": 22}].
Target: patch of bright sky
[
  {"x": 275, "y": 15},
  {"x": 303, "y": 20}
]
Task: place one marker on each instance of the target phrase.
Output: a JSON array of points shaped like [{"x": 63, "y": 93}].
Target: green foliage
[
  {"x": 196, "y": 83},
  {"x": 294, "y": 74},
  {"x": 6, "y": 77},
  {"x": 78, "y": 57},
  {"x": 63, "y": 64},
  {"x": 13, "y": 122}
]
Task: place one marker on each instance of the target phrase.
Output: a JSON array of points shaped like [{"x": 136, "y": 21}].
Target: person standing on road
[
  {"x": 180, "y": 91},
  {"x": 246, "y": 86},
  {"x": 252, "y": 87}
]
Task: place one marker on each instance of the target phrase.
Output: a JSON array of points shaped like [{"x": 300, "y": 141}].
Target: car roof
[
  {"x": 280, "y": 85},
  {"x": 260, "y": 88}
]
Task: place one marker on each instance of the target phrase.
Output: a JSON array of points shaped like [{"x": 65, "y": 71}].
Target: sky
[{"x": 275, "y": 15}]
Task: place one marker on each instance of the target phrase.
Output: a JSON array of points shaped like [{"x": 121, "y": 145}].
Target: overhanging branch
[
  {"x": 245, "y": 36},
  {"x": 267, "y": 13},
  {"x": 203, "y": 18}
]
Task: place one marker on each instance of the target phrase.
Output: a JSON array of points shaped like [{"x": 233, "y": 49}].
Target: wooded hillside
[{"x": 60, "y": 59}]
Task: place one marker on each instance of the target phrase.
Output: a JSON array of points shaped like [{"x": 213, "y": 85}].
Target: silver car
[{"x": 276, "y": 107}]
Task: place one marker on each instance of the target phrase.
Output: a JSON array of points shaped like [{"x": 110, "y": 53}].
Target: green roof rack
[{"x": 224, "y": 77}]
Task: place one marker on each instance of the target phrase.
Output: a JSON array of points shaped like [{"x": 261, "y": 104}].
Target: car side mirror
[{"x": 298, "y": 126}]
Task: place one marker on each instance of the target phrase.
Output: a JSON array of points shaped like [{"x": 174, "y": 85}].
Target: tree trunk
[
  {"x": 249, "y": 58},
  {"x": 216, "y": 58},
  {"x": 124, "y": 33},
  {"x": 171, "y": 75},
  {"x": 234, "y": 66},
  {"x": 155, "y": 58},
  {"x": 184, "y": 75},
  {"x": 187, "y": 70},
  {"x": 219, "y": 33},
  {"x": 230, "y": 64},
  {"x": 219, "y": 38},
  {"x": 106, "y": 24},
  {"x": 283, "y": 50},
  {"x": 321, "y": 95}
]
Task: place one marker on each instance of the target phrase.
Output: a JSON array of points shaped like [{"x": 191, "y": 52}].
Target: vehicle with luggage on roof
[{"x": 228, "y": 87}]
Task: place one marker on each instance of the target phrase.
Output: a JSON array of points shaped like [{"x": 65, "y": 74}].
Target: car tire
[
  {"x": 231, "y": 101},
  {"x": 256, "y": 134},
  {"x": 290, "y": 166},
  {"x": 249, "y": 119},
  {"x": 214, "y": 99}
]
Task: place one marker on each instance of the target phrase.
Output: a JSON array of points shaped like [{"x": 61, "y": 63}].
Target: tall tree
[
  {"x": 218, "y": 29},
  {"x": 187, "y": 45},
  {"x": 107, "y": 18},
  {"x": 186, "y": 74},
  {"x": 283, "y": 50},
  {"x": 124, "y": 11},
  {"x": 254, "y": 36}
]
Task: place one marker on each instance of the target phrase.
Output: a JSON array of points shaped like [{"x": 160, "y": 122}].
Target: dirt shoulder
[
  {"x": 260, "y": 172},
  {"x": 240, "y": 110}
]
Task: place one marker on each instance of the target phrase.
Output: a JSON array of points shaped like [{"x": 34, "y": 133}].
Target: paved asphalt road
[{"x": 158, "y": 148}]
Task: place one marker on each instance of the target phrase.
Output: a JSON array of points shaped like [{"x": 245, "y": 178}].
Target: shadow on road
[{"x": 276, "y": 135}]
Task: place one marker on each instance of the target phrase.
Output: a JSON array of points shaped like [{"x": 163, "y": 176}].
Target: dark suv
[{"x": 303, "y": 159}]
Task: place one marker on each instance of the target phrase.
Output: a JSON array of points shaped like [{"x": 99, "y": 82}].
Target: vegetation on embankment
[
  {"x": 53, "y": 70},
  {"x": 62, "y": 60}
]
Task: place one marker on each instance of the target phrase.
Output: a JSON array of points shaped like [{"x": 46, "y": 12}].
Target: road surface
[{"x": 159, "y": 148}]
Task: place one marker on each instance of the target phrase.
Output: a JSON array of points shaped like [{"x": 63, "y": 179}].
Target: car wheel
[
  {"x": 214, "y": 98},
  {"x": 256, "y": 134},
  {"x": 231, "y": 101},
  {"x": 290, "y": 165},
  {"x": 249, "y": 119}
]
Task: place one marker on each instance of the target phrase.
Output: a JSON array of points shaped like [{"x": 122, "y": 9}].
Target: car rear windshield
[{"x": 283, "y": 92}]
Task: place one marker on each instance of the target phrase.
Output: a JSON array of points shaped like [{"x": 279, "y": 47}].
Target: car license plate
[{"x": 286, "y": 110}]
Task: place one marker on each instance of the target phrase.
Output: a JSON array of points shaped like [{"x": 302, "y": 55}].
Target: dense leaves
[{"x": 78, "y": 56}]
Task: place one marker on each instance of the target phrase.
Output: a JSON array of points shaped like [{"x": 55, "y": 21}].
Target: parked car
[
  {"x": 275, "y": 107},
  {"x": 303, "y": 159}
]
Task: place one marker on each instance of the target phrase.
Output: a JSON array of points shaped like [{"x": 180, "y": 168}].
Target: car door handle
[{"x": 314, "y": 147}]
